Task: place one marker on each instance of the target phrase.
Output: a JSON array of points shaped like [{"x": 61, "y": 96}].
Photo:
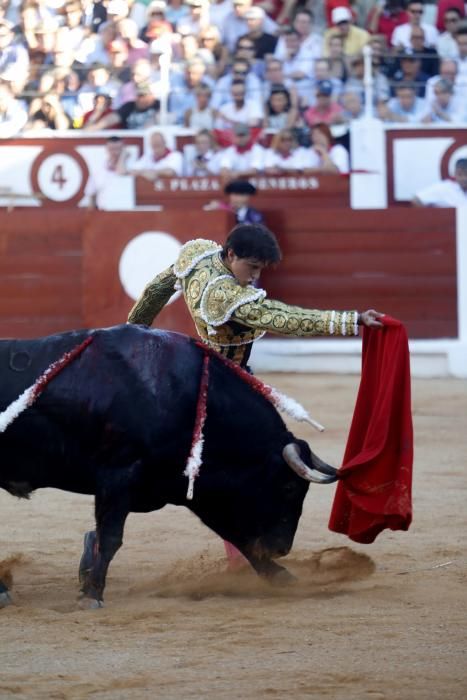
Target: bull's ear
[{"x": 291, "y": 454}]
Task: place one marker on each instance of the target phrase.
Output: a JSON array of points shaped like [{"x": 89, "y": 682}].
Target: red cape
[{"x": 376, "y": 488}]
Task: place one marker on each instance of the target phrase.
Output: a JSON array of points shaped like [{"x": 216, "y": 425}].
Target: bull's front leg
[{"x": 267, "y": 568}]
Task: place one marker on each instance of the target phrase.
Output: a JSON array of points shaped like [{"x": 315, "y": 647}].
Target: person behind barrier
[{"x": 447, "y": 193}]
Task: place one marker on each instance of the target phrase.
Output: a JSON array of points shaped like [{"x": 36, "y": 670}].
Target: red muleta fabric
[{"x": 376, "y": 488}]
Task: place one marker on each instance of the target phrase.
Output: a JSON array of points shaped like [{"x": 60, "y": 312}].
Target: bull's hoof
[
  {"x": 283, "y": 578},
  {"x": 5, "y": 599},
  {"x": 86, "y": 603}
]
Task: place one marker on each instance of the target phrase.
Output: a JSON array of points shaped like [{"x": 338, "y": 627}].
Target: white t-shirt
[
  {"x": 338, "y": 154},
  {"x": 297, "y": 160},
  {"x": 252, "y": 159},
  {"x": 446, "y": 193},
  {"x": 251, "y": 113},
  {"x": 172, "y": 161},
  {"x": 401, "y": 35},
  {"x": 111, "y": 190}
]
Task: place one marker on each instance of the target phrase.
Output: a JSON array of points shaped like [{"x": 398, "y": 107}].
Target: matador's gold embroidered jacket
[{"x": 229, "y": 317}]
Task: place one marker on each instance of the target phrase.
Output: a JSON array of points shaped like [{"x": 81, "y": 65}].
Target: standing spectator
[
  {"x": 384, "y": 18},
  {"x": 239, "y": 110},
  {"x": 461, "y": 38},
  {"x": 427, "y": 54},
  {"x": 354, "y": 38},
  {"x": 201, "y": 160},
  {"x": 159, "y": 161},
  {"x": 444, "y": 108},
  {"x": 201, "y": 116},
  {"x": 285, "y": 154},
  {"x": 404, "y": 107},
  {"x": 13, "y": 115},
  {"x": 447, "y": 44},
  {"x": 241, "y": 70},
  {"x": 264, "y": 43},
  {"x": 235, "y": 24},
  {"x": 106, "y": 175},
  {"x": 410, "y": 71},
  {"x": 447, "y": 193},
  {"x": 401, "y": 35},
  {"x": 279, "y": 110},
  {"x": 326, "y": 109},
  {"x": 325, "y": 156},
  {"x": 244, "y": 158}
]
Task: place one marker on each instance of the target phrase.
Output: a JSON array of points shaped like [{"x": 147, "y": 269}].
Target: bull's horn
[
  {"x": 291, "y": 454},
  {"x": 323, "y": 467}
]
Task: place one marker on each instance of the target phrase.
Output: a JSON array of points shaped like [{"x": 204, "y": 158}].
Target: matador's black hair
[{"x": 253, "y": 241}]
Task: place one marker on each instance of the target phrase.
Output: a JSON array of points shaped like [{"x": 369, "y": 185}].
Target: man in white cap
[{"x": 354, "y": 38}]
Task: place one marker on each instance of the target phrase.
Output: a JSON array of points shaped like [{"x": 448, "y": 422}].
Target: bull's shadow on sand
[{"x": 322, "y": 573}]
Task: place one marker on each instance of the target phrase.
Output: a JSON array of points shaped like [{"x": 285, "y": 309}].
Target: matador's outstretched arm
[{"x": 155, "y": 296}]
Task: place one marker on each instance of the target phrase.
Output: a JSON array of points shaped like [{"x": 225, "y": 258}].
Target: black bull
[{"x": 118, "y": 423}]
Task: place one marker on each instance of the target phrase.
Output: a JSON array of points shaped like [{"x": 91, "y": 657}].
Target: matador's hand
[{"x": 370, "y": 318}]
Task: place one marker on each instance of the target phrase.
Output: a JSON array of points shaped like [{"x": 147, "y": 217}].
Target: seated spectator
[
  {"x": 338, "y": 67},
  {"x": 201, "y": 116},
  {"x": 279, "y": 110},
  {"x": 202, "y": 159},
  {"x": 136, "y": 48},
  {"x": 218, "y": 11},
  {"x": 245, "y": 48},
  {"x": 310, "y": 42},
  {"x": 69, "y": 98},
  {"x": 141, "y": 74},
  {"x": 354, "y": 38},
  {"x": 210, "y": 40},
  {"x": 461, "y": 39},
  {"x": 442, "y": 6},
  {"x": 176, "y": 11},
  {"x": 427, "y": 54},
  {"x": 14, "y": 58},
  {"x": 263, "y": 42},
  {"x": 196, "y": 19},
  {"x": 384, "y": 62},
  {"x": 159, "y": 161},
  {"x": 324, "y": 155},
  {"x": 73, "y": 24},
  {"x": 322, "y": 72},
  {"x": 326, "y": 108},
  {"x": 241, "y": 70},
  {"x": 447, "y": 44},
  {"x": 355, "y": 83},
  {"x": 401, "y": 34},
  {"x": 274, "y": 75},
  {"x": 95, "y": 48},
  {"x": 244, "y": 158},
  {"x": 239, "y": 110},
  {"x": 157, "y": 25},
  {"x": 352, "y": 103},
  {"x": 447, "y": 193},
  {"x": 410, "y": 71},
  {"x": 105, "y": 175},
  {"x": 285, "y": 154},
  {"x": 47, "y": 113},
  {"x": 444, "y": 108},
  {"x": 239, "y": 193},
  {"x": 93, "y": 120},
  {"x": 182, "y": 96},
  {"x": 235, "y": 24},
  {"x": 448, "y": 70},
  {"x": 141, "y": 113},
  {"x": 189, "y": 50},
  {"x": 295, "y": 63},
  {"x": 116, "y": 10},
  {"x": 384, "y": 18},
  {"x": 13, "y": 114},
  {"x": 405, "y": 107}
]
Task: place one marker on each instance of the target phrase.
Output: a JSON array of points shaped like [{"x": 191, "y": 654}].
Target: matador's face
[{"x": 245, "y": 270}]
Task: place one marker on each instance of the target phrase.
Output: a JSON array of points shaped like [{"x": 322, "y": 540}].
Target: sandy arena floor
[{"x": 384, "y": 621}]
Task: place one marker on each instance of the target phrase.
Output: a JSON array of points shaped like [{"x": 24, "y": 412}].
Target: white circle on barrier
[
  {"x": 461, "y": 152},
  {"x": 59, "y": 177},
  {"x": 144, "y": 257}
]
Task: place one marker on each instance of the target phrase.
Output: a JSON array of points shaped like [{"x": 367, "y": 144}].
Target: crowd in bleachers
[{"x": 230, "y": 67}]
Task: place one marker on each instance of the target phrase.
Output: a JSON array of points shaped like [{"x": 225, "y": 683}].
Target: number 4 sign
[{"x": 59, "y": 177}]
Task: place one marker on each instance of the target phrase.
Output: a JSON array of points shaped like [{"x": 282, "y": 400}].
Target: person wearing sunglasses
[
  {"x": 447, "y": 44},
  {"x": 401, "y": 34}
]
